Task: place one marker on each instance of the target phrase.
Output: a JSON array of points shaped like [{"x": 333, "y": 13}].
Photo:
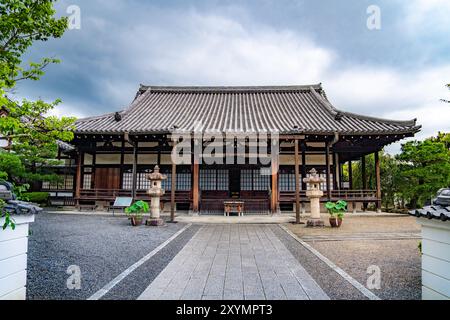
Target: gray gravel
[
  {"x": 102, "y": 247},
  {"x": 141, "y": 278},
  {"x": 330, "y": 281}
]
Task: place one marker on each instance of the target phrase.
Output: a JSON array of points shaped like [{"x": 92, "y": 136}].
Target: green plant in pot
[
  {"x": 136, "y": 211},
  {"x": 336, "y": 210}
]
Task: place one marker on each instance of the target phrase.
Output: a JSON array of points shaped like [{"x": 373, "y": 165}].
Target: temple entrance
[{"x": 235, "y": 183}]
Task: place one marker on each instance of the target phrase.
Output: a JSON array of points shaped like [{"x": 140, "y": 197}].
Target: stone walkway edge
[{"x": 234, "y": 262}]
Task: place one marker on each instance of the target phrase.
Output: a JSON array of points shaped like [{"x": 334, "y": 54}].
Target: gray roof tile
[{"x": 239, "y": 109}]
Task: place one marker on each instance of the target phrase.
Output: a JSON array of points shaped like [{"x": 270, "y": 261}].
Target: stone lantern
[
  {"x": 155, "y": 192},
  {"x": 314, "y": 194}
]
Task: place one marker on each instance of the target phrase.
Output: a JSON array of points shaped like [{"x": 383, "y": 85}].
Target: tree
[
  {"x": 425, "y": 167},
  {"x": 444, "y": 100},
  {"x": 32, "y": 134},
  {"x": 390, "y": 177}
]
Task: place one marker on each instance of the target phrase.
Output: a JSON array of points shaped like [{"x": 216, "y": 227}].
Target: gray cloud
[{"x": 125, "y": 43}]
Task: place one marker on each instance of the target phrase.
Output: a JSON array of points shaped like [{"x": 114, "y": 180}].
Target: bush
[{"x": 36, "y": 197}]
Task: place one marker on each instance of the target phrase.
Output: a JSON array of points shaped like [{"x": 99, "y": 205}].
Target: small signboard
[{"x": 123, "y": 202}]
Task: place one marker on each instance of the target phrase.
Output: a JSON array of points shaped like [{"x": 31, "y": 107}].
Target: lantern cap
[{"x": 156, "y": 175}]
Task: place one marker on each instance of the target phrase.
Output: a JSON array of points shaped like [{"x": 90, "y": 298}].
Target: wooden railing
[
  {"x": 111, "y": 194},
  {"x": 349, "y": 195},
  {"x": 212, "y": 202},
  {"x": 367, "y": 195}
]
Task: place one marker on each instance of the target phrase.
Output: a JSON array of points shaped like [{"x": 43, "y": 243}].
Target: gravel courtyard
[
  {"x": 103, "y": 247},
  {"x": 391, "y": 243}
]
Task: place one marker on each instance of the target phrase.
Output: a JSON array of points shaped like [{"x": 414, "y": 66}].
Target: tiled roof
[
  {"x": 433, "y": 212},
  {"x": 287, "y": 109}
]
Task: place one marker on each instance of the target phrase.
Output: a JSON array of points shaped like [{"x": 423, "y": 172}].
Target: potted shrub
[
  {"x": 336, "y": 210},
  {"x": 136, "y": 211}
]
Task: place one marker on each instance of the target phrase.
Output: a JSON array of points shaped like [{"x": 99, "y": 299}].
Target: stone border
[
  {"x": 366, "y": 292},
  {"x": 100, "y": 293}
]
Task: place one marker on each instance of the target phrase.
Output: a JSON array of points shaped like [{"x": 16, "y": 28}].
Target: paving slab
[{"x": 234, "y": 262}]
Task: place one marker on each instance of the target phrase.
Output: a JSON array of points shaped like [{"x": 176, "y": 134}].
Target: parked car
[{"x": 442, "y": 197}]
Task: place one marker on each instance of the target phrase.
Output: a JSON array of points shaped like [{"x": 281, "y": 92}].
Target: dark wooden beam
[
  {"x": 195, "y": 187},
  {"x": 297, "y": 184},
  {"x": 378, "y": 180},
  {"x": 335, "y": 170},
  {"x": 364, "y": 177},
  {"x": 135, "y": 160},
  {"x": 172, "y": 191},
  {"x": 78, "y": 177},
  {"x": 122, "y": 162},
  {"x": 195, "y": 179},
  {"x": 303, "y": 165},
  {"x": 327, "y": 162},
  {"x": 350, "y": 175},
  {"x": 274, "y": 201}
]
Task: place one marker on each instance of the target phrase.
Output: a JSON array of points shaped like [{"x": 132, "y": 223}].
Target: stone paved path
[{"x": 234, "y": 262}]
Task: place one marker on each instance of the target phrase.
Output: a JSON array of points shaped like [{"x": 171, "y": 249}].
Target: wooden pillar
[
  {"x": 335, "y": 172},
  {"x": 135, "y": 159},
  {"x": 274, "y": 186},
  {"x": 378, "y": 180},
  {"x": 78, "y": 177},
  {"x": 327, "y": 162},
  {"x": 275, "y": 167},
  {"x": 341, "y": 175},
  {"x": 159, "y": 154},
  {"x": 195, "y": 187},
  {"x": 350, "y": 175},
  {"x": 122, "y": 161},
  {"x": 364, "y": 178},
  {"x": 172, "y": 191},
  {"x": 297, "y": 183},
  {"x": 303, "y": 165}
]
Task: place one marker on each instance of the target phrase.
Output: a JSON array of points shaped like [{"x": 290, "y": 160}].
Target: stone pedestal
[
  {"x": 155, "y": 194},
  {"x": 314, "y": 194}
]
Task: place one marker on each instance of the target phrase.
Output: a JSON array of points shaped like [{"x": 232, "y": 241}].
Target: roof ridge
[
  {"x": 336, "y": 112},
  {"x": 328, "y": 106},
  {"x": 405, "y": 123},
  {"x": 99, "y": 116},
  {"x": 223, "y": 89}
]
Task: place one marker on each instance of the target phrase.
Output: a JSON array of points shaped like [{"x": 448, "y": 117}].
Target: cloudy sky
[{"x": 398, "y": 71}]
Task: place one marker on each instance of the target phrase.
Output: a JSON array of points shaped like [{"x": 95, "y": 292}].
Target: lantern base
[
  {"x": 315, "y": 223},
  {"x": 154, "y": 222}
]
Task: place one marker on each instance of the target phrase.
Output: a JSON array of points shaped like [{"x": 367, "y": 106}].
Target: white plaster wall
[
  {"x": 13, "y": 259},
  {"x": 435, "y": 259}
]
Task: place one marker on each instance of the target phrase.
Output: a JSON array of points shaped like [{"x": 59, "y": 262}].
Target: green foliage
[
  {"x": 36, "y": 197},
  {"x": 9, "y": 221},
  {"x": 425, "y": 168},
  {"x": 137, "y": 209},
  {"x": 22, "y": 23},
  {"x": 11, "y": 166},
  {"x": 337, "y": 209},
  {"x": 33, "y": 135},
  {"x": 19, "y": 190},
  {"x": 445, "y": 100},
  {"x": 412, "y": 177}
]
